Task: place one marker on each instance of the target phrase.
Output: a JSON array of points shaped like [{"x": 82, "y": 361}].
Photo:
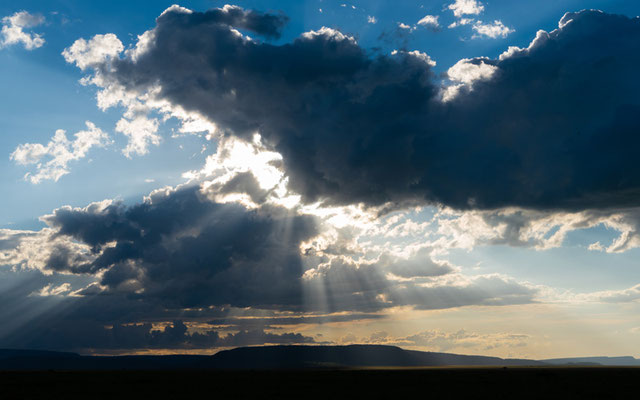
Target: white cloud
[
  {"x": 59, "y": 152},
  {"x": 460, "y": 22},
  {"x": 371, "y": 19},
  {"x": 402, "y": 25},
  {"x": 466, "y": 7},
  {"x": 183, "y": 10},
  {"x": 628, "y": 295},
  {"x": 464, "y": 73},
  {"x": 50, "y": 290},
  {"x": 492, "y": 30},
  {"x": 596, "y": 247},
  {"x": 145, "y": 41},
  {"x": 541, "y": 230},
  {"x": 95, "y": 51},
  {"x": 417, "y": 54},
  {"x": 13, "y": 30},
  {"x": 141, "y": 132},
  {"x": 135, "y": 124},
  {"x": 37, "y": 250},
  {"x": 467, "y": 71},
  {"x": 328, "y": 32},
  {"x": 235, "y": 157},
  {"x": 430, "y": 21},
  {"x": 619, "y": 296}
]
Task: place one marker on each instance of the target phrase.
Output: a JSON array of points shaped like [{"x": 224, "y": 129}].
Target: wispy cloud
[{"x": 52, "y": 160}]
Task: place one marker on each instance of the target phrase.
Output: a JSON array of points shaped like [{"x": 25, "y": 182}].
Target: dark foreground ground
[{"x": 424, "y": 383}]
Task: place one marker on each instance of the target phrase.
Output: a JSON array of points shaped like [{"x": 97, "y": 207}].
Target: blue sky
[{"x": 414, "y": 257}]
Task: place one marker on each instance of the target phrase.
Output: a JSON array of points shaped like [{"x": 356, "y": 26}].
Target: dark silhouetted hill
[
  {"x": 281, "y": 357},
  {"x": 294, "y": 357},
  {"x": 268, "y": 357}
]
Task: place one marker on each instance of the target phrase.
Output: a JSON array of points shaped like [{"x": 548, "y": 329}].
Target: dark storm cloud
[
  {"x": 178, "y": 256},
  {"x": 83, "y": 336},
  {"x": 341, "y": 285},
  {"x": 421, "y": 265},
  {"x": 268, "y": 25},
  {"x": 271, "y": 322},
  {"x": 179, "y": 250},
  {"x": 245, "y": 182},
  {"x": 556, "y": 126},
  {"x": 484, "y": 291},
  {"x": 183, "y": 250}
]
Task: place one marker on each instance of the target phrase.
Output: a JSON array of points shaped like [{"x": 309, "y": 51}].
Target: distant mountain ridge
[
  {"x": 351, "y": 356},
  {"x": 626, "y": 361},
  {"x": 278, "y": 357}
]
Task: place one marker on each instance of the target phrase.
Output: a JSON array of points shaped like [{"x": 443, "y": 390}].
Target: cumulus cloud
[
  {"x": 181, "y": 250},
  {"x": 491, "y": 30},
  {"x": 466, "y": 7},
  {"x": 93, "y": 52},
  {"x": 538, "y": 229},
  {"x": 40, "y": 250},
  {"x": 464, "y": 73},
  {"x": 223, "y": 253},
  {"x": 51, "y": 160},
  {"x": 390, "y": 138},
  {"x": 179, "y": 254},
  {"x": 13, "y": 30},
  {"x": 429, "y": 21},
  {"x": 468, "y": 70},
  {"x": 141, "y": 132}
]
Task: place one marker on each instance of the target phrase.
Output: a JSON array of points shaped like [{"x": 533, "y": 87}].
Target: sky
[{"x": 456, "y": 176}]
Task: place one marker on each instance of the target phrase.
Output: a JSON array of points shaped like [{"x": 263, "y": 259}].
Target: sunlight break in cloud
[
  {"x": 13, "y": 30},
  {"x": 59, "y": 152}
]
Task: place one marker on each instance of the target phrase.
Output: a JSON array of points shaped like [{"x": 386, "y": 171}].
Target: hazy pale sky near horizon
[{"x": 455, "y": 176}]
